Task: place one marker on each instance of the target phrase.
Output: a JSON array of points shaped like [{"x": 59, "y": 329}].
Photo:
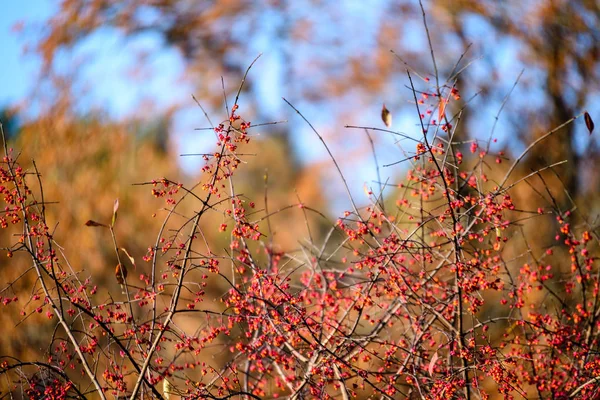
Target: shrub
[{"x": 421, "y": 294}]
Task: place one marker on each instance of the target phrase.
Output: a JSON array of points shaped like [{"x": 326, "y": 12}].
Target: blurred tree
[
  {"x": 10, "y": 121},
  {"x": 85, "y": 163},
  {"x": 322, "y": 58},
  {"x": 557, "y": 41}
]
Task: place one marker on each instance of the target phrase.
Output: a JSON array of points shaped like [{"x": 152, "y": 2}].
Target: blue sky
[
  {"x": 18, "y": 71},
  {"x": 112, "y": 56},
  {"x": 107, "y": 82}
]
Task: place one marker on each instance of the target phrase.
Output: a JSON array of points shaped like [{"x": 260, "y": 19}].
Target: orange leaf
[{"x": 441, "y": 110}]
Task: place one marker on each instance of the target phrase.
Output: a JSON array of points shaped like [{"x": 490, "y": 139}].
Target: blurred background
[
  {"x": 141, "y": 61},
  {"x": 99, "y": 93},
  {"x": 138, "y": 62}
]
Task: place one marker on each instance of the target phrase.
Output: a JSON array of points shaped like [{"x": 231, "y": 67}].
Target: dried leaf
[
  {"x": 432, "y": 363},
  {"x": 588, "y": 122},
  {"x": 441, "y": 110},
  {"x": 129, "y": 256},
  {"x": 386, "y": 116},
  {"x": 94, "y": 223},
  {"x": 167, "y": 389},
  {"x": 115, "y": 208},
  {"x": 121, "y": 275},
  {"x": 367, "y": 190}
]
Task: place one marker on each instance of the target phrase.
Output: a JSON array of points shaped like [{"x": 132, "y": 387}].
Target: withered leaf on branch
[
  {"x": 115, "y": 208},
  {"x": 129, "y": 256},
  {"x": 386, "y": 116},
  {"x": 167, "y": 389},
  {"x": 442, "y": 110},
  {"x": 431, "y": 367},
  {"x": 94, "y": 223},
  {"x": 121, "y": 275},
  {"x": 588, "y": 122}
]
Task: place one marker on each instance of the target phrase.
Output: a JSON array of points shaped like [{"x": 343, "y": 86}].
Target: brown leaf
[
  {"x": 115, "y": 208},
  {"x": 94, "y": 223},
  {"x": 386, "y": 116},
  {"x": 129, "y": 256},
  {"x": 120, "y": 273},
  {"x": 588, "y": 122}
]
